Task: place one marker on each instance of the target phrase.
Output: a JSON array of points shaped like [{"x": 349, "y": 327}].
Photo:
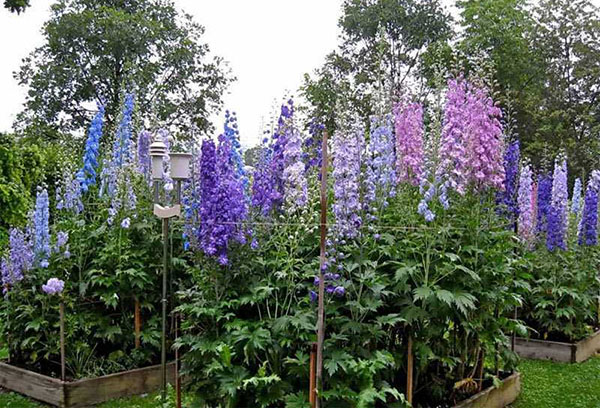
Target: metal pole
[
  {"x": 62, "y": 341},
  {"x": 177, "y": 378},
  {"x": 163, "y": 356},
  {"x": 321, "y": 312}
]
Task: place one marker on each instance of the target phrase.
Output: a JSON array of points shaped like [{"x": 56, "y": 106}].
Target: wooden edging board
[
  {"x": 85, "y": 392},
  {"x": 558, "y": 351},
  {"x": 493, "y": 397}
]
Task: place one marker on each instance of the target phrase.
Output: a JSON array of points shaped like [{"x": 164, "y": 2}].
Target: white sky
[{"x": 269, "y": 44}]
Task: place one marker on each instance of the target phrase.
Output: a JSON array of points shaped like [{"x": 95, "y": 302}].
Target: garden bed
[
  {"x": 85, "y": 392},
  {"x": 493, "y": 397},
  {"x": 558, "y": 351}
]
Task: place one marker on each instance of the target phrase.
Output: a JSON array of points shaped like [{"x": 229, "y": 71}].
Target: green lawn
[{"x": 544, "y": 385}]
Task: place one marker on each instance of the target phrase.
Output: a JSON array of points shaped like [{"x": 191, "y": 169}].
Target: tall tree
[
  {"x": 96, "y": 50},
  {"x": 568, "y": 39}
]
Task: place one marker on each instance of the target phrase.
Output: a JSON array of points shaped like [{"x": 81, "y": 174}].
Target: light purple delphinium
[{"x": 54, "y": 286}]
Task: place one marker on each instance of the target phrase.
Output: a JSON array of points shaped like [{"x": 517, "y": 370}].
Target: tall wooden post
[
  {"x": 62, "y": 341},
  {"x": 409, "y": 371},
  {"x": 312, "y": 394},
  {"x": 177, "y": 363},
  {"x": 137, "y": 323},
  {"x": 321, "y": 310}
]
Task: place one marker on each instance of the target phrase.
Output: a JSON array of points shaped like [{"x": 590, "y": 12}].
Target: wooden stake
[
  {"x": 62, "y": 341},
  {"x": 321, "y": 310},
  {"x": 481, "y": 362},
  {"x": 137, "y": 323},
  {"x": 409, "y": 371},
  {"x": 177, "y": 363},
  {"x": 312, "y": 394}
]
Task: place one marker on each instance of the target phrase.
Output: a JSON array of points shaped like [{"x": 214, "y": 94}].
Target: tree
[
  {"x": 96, "y": 50},
  {"x": 568, "y": 117},
  {"x": 16, "y": 6}
]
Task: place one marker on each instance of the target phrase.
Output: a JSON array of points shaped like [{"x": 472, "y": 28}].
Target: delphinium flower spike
[{"x": 86, "y": 176}]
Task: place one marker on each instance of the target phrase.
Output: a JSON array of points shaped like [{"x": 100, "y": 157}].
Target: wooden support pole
[
  {"x": 63, "y": 369},
  {"x": 177, "y": 366},
  {"x": 321, "y": 310},
  {"x": 137, "y": 323},
  {"x": 481, "y": 364},
  {"x": 409, "y": 371},
  {"x": 312, "y": 388}
]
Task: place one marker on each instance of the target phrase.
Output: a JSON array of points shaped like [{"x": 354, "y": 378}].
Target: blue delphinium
[
  {"x": 232, "y": 133},
  {"x": 19, "y": 258},
  {"x": 295, "y": 187},
  {"x": 144, "y": 161},
  {"x": 41, "y": 237},
  {"x": 86, "y": 176},
  {"x": 380, "y": 178},
  {"x": 588, "y": 233},
  {"x": 557, "y": 215},
  {"x": 544, "y": 196},
  {"x": 507, "y": 199},
  {"x": 122, "y": 142}
]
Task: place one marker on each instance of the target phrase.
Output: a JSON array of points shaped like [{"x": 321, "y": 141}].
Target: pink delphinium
[{"x": 409, "y": 141}]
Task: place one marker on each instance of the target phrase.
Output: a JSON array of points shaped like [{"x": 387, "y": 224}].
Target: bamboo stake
[
  {"x": 312, "y": 395},
  {"x": 409, "y": 371},
  {"x": 62, "y": 341},
  {"x": 321, "y": 311},
  {"x": 138, "y": 323},
  {"x": 481, "y": 362}
]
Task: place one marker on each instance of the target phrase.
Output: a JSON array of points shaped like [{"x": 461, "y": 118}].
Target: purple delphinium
[
  {"x": 144, "y": 161},
  {"x": 380, "y": 173},
  {"x": 41, "y": 237},
  {"x": 313, "y": 145},
  {"x": 86, "y": 176},
  {"x": 544, "y": 196},
  {"x": 347, "y": 148},
  {"x": 557, "y": 215},
  {"x": 471, "y": 144},
  {"x": 409, "y": 141},
  {"x": 122, "y": 143},
  {"x": 71, "y": 199},
  {"x": 526, "y": 216},
  {"x": 295, "y": 184},
  {"x": 54, "y": 286},
  {"x": 265, "y": 196},
  {"x": 222, "y": 204},
  {"x": 588, "y": 232},
  {"x": 507, "y": 198},
  {"x": 19, "y": 258},
  {"x": 126, "y": 223}
]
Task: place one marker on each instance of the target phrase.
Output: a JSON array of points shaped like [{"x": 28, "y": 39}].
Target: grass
[
  {"x": 559, "y": 385},
  {"x": 544, "y": 385}
]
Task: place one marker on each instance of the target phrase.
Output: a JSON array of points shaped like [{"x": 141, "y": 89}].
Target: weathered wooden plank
[
  {"x": 32, "y": 384},
  {"x": 586, "y": 348},
  {"x": 492, "y": 397},
  {"x": 86, "y": 392},
  {"x": 545, "y": 350}
]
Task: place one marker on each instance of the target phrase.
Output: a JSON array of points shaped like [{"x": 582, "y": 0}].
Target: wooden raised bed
[
  {"x": 492, "y": 397},
  {"x": 85, "y": 392},
  {"x": 558, "y": 351}
]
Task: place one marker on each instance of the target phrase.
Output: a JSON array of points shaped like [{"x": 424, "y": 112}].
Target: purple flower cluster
[
  {"x": 409, "y": 141},
  {"x": 144, "y": 161},
  {"x": 312, "y": 155},
  {"x": 71, "y": 199},
  {"x": 347, "y": 148},
  {"x": 526, "y": 214},
  {"x": 222, "y": 202},
  {"x": 557, "y": 215},
  {"x": 507, "y": 198},
  {"x": 41, "y": 235},
  {"x": 332, "y": 286},
  {"x": 295, "y": 184},
  {"x": 19, "y": 259},
  {"x": 544, "y": 196},
  {"x": 232, "y": 133},
  {"x": 54, "y": 286},
  {"x": 588, "y": 231},
  {"x": 471, "y": 143},
  {"x": 380, "y": 177},
  {"x": 87, "y": 175}
]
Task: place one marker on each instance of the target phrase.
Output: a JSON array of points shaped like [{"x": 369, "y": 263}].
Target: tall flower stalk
[
  {"x": 526, "y": 214},
  {"x": 86, "y": 176},
  {"x": 409, "y": 141},
  {"x": 557, "y": 216}
]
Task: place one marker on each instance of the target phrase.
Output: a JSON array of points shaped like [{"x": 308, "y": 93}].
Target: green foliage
[
  {"x": 16, "y": 6},
  {"x": 108, "y": 47}
]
